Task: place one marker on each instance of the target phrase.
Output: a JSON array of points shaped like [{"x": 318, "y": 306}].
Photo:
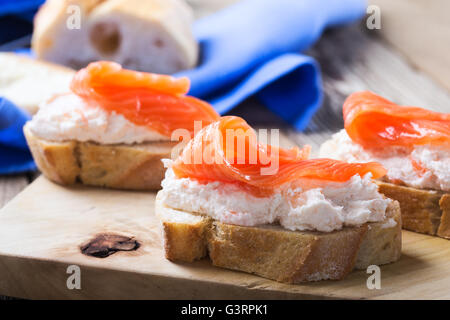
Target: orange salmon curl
[
  {"x": 156, "y": 101},
  {"x": 228, "y": 151},
  {"x": 376, "y": 123}
]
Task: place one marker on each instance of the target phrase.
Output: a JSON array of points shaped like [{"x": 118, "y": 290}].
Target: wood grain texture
[
  {"x": 34, "y": 265},
  {"x": 10, "y": 186},
  {"x": 420, "y": 30}
]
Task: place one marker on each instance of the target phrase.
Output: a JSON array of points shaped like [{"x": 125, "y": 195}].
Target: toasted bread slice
[
  {"x": 121, "y": 166},
  {"x": 424, "y": 211},
  {"x": 279, "y": 254}
]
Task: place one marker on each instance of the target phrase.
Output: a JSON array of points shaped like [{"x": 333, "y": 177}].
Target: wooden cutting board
[{"x": 43, "y": 228}]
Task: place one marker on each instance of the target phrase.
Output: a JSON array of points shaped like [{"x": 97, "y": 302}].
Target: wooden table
[{"x": 352, "y": 58}]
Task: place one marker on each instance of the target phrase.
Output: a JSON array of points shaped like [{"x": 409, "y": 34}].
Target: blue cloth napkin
[
  {"x": 16, "y": 18},
  {"x": 253, "y": 47},
  {"x": 250, "y": 48},
  {"x": 14, "y": 154},
  {"x": 22, "y": 8}
]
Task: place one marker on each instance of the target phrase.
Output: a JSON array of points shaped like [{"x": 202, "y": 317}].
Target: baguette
[
  {"x": 40, "y": 80},
  {"x": 276, "y": 253},
  {"x": 145, "y": 35},
  {"x": 424, "y": 211},
  {"x": 121, "y": 166}
]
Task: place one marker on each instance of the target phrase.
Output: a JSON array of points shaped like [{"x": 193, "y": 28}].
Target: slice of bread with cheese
[
  {"x": 276, "y": 253},
  {"x": 424, "y": 211},
  {"x": 120, "y": 166}
]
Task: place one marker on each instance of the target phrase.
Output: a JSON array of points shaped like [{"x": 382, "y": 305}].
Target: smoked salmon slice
[
  {"x": 146, "y": 99},
  {"x": 228, "y": 151},
  {"x": 376, "y": 123}
]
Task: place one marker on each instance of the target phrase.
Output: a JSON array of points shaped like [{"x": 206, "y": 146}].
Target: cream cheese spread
[
  {"x": 67, "y": 117},
  {"x": 329, "y": 207},
  {"x": 399, "y": 162}
]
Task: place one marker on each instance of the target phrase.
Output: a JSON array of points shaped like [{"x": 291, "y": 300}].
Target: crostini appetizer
[
  {"x": 114, "y": 127},
  {"x": 413, "y": 144},
  {"x": 272, "y": 211}
]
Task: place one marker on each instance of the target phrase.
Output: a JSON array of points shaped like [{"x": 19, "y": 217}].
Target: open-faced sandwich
[
  {"x": 114, "y": 127},
  {"x": 272, "y": 211},
  {"x": 413, "y": 144}
]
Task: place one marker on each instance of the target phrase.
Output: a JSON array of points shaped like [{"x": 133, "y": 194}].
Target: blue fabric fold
[
  {"x": 22, "y": 9},
  {"x": 252, "y": 48},
  {"x": 14, "y": 154},
  {"x": 25, "y": 8}
]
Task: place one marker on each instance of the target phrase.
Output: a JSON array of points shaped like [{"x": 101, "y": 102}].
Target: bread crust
[
  {"x": 424, "y": 211},
  {"x": 444, "y": 227},
  {"x": 186, "y": 241},
  {"x": 132, "y": 167},
  {"x": 276, "y": 253}
]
